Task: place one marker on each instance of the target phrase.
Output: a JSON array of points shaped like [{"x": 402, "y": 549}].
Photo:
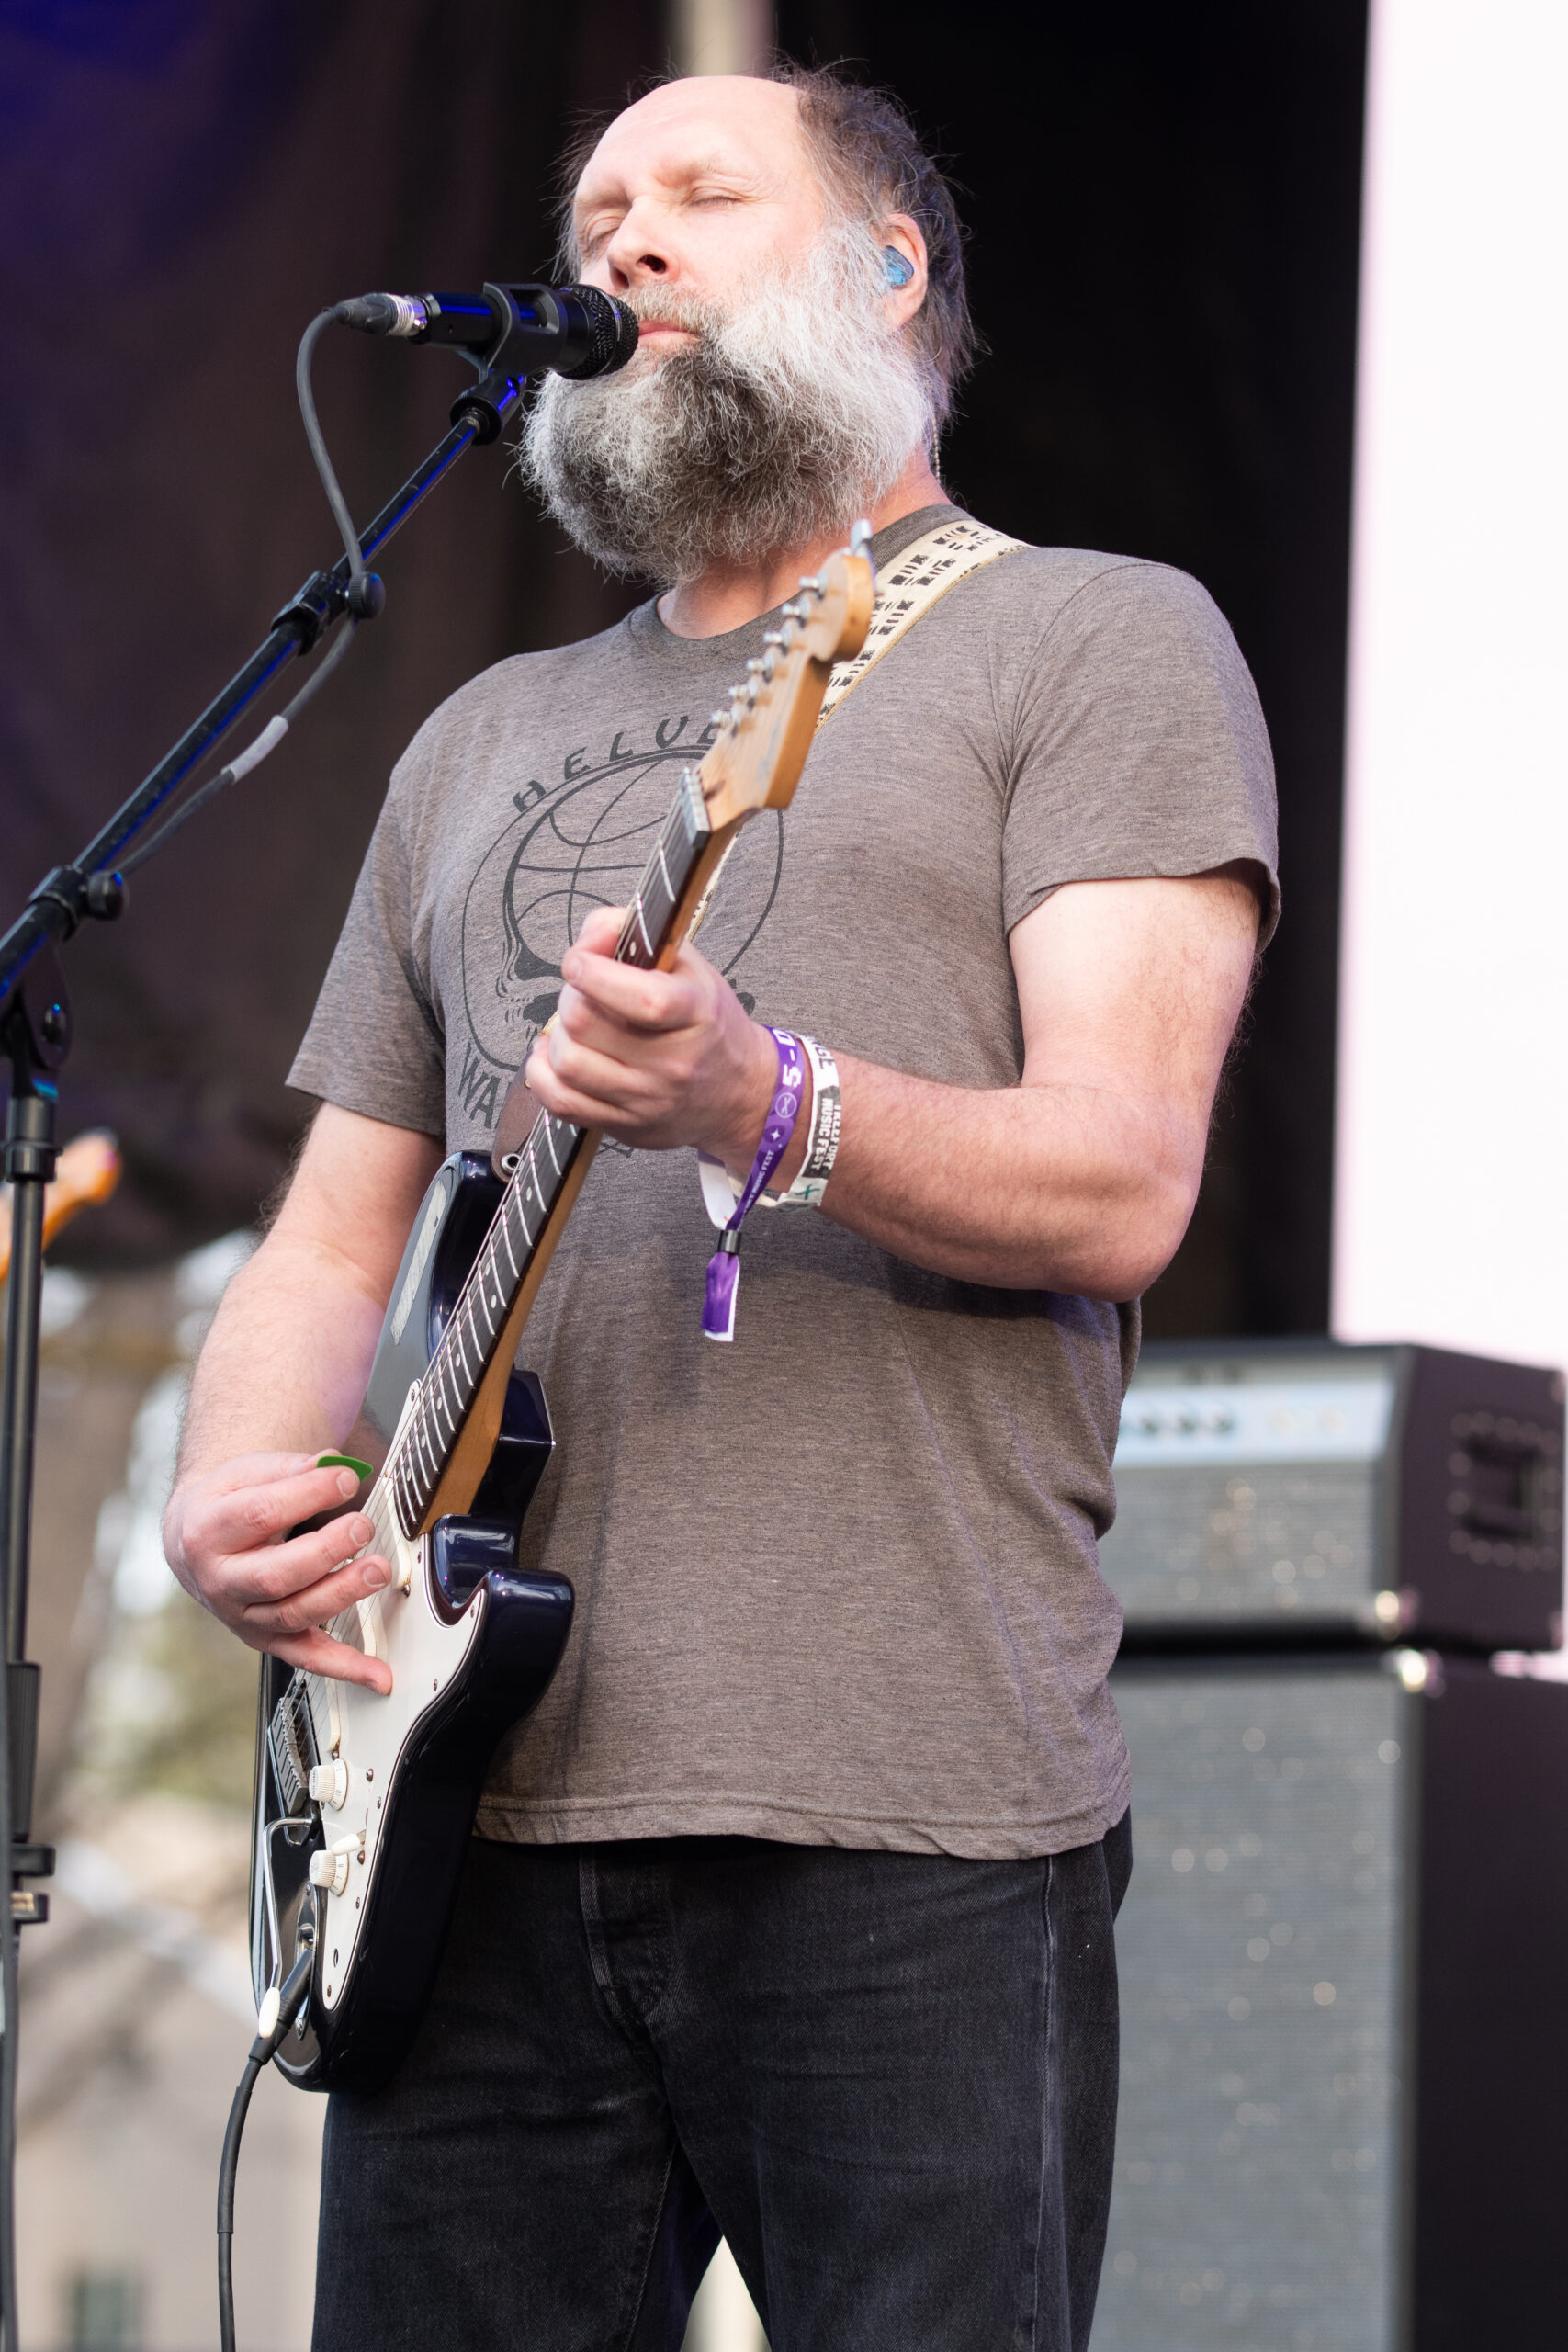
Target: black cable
[
  {"x": 364, "y": 604},
  {"x": 324, "y": 467},
  {"x": 262, "y": 2051}
]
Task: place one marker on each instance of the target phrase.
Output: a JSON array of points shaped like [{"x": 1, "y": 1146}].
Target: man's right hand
[{"x": 226, "y": 1537}]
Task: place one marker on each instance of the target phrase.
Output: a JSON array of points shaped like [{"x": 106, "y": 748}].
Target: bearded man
[{"x": 790, "y": 1913}]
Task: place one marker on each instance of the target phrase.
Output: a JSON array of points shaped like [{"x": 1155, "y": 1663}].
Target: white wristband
[{"x": 822, "y": 1143}]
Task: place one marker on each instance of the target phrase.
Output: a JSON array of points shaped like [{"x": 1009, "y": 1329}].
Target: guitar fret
[
  {"x": 659, "y": 905},
  {"x": 423, "y": 1443},
  {"x": 658, "y": 892}
]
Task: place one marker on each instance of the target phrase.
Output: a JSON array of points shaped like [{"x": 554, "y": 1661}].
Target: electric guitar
[{"x": 364, "y": 1804}]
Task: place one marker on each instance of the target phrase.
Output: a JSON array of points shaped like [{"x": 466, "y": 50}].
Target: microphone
[{"x": 573, "y": 330}]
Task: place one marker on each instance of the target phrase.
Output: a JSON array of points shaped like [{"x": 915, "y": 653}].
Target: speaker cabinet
[
  {"x": 1309, "y": 1493},
  {"x": 1344, "y": 1967}
]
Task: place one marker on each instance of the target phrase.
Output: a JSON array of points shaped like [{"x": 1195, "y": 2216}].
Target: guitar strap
[
  {"x": 906, "y": 592},
  {"x": 907, "y": 588}
]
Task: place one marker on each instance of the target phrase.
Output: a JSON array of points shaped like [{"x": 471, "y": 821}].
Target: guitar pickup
[{"x": 291, "y": 1743}]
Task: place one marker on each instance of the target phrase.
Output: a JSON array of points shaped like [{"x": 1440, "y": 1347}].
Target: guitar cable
[{"x": 278, "y": 2011}]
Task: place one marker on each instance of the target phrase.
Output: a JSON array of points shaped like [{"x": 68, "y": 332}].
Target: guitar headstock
[{"x": 766, "y": 731}]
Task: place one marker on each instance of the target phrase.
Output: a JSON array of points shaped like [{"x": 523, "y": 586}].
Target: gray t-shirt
[{"x": 836, "y": 1583}]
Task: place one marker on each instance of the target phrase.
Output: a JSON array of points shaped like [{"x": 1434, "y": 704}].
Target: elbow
[{"x": 1129, "y": 1252}]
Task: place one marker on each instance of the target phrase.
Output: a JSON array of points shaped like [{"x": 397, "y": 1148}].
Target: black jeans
[{"x": 888, "y": 2079}]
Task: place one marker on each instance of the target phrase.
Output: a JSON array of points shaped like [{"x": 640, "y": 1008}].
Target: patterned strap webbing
[{"x": 908, "y": 588}]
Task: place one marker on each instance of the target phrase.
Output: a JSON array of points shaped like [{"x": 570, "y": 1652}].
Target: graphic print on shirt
[{"x": 564, "y": 849}]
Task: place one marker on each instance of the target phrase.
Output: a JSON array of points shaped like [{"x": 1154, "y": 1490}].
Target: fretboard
[{"x": 469, "y": 1342}]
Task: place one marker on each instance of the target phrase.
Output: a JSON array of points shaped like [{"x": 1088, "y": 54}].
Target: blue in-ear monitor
[{"x": 897, "y": 267}]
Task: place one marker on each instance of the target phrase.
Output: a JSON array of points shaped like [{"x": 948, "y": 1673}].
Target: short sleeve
[
  {"x": 1139, "y": 746},
  {"x": 374, "y": 1044}
]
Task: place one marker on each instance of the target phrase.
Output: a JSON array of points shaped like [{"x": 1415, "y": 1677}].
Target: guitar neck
[
  {"x": 759, "y": 749},
  {"x": 447, "y": 1441}
]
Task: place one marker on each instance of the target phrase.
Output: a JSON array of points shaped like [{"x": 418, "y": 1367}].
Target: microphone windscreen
[{"x": 612, "y": 332}]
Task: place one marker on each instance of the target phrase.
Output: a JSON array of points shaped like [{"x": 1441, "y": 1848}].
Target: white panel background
[{"x": 1451, "y": 1195}]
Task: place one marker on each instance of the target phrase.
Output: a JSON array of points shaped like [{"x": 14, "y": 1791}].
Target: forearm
[
  {"x": 1032, "y": 1187},
  {"x": 1081, "y": 1179},
  {"x": 284, "y": 1365}
]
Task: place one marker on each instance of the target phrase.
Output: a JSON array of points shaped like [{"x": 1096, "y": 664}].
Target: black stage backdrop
[{"x": 1165, "y": 216}]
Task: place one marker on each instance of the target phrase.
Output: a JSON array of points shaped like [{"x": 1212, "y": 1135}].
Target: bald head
[{"x": 705, "y": 186}]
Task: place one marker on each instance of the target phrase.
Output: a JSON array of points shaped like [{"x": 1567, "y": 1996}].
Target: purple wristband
[{"x": 723, "y": 1266}]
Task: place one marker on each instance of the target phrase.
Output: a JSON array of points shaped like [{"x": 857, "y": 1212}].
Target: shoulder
[
  {"x": 1066, "y": 596},
  {"x": 1123, "y": 631}
]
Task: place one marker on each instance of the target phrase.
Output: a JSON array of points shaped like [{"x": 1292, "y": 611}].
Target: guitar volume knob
[
  {"x": 328, "y": 1784},
  {"x": 329, "y": 1869}
]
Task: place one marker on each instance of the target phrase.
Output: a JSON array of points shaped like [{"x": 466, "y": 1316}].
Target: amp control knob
[
  {"x": 329, "y": 1784},
  {"x": 329, "y": 1869}
]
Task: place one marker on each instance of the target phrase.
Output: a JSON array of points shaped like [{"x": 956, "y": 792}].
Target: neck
[{"x": 727, "y": 596}]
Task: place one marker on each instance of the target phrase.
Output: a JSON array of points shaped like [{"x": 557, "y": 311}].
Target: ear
[{"x": 899, "y": 231}]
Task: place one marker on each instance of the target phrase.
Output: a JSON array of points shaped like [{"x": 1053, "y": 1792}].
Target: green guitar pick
[{"x": 344, "y": 1462}]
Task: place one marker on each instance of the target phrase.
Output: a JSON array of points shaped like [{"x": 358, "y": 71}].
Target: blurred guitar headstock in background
[{"x": 89, "y": 1169}]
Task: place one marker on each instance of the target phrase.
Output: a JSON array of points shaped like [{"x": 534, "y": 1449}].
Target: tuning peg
[
  {"x": 860, "y": 537},
  {"x": 777, "y": 639},
  {"x": 813, "y": 584}
]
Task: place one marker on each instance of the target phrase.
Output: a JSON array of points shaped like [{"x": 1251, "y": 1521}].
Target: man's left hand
[{"x": 658, "y": 1059}]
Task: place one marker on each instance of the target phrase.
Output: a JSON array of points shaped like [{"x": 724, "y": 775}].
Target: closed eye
[{"x": 593, "y": 234}]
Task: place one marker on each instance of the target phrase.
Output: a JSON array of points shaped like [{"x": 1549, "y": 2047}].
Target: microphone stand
[{"x": 35, "y": 1037}]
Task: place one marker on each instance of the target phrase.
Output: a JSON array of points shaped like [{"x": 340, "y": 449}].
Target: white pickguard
[{"x": 368, "y": 1734}]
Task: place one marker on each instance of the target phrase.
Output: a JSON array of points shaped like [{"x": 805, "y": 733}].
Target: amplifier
[
  {"x": 1308, "y": 1492},
  {"x": 1343, "y": 1956}
]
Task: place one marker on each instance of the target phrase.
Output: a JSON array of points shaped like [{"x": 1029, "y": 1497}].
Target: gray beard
[{"x": 791, "y": 417}]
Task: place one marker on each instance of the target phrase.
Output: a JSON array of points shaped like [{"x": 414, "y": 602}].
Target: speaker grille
[
  {"x": 1258, "y": 2149},
  {"x": 1260, "y": 1543}
]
